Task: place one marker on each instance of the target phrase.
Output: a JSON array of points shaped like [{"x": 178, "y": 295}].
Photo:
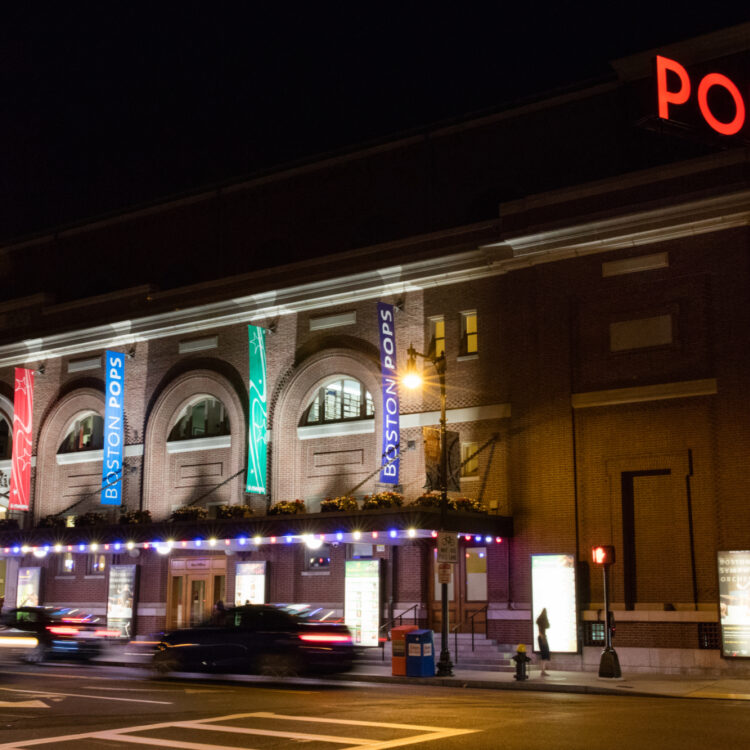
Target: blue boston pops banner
[
  {"x": 257, "y": 437},
  {"x": 391, "y": 437},
  {"x": 114, "y": 433}
]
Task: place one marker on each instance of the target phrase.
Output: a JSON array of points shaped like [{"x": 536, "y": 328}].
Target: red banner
[{"x": 20, "y": 478}]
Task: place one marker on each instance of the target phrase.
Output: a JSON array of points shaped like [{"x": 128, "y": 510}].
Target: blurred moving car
[
  {"x": 41, "y": 633},
  {"x": 260, "y": 639}
]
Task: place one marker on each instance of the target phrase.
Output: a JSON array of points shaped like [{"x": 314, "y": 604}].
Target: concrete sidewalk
[{"x": 664, "y": 685}]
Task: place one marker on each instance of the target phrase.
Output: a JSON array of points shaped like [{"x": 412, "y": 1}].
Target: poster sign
[
  {"x": 121, "y": 599},
  {"x": 250, "y": 583},
  {"x": 734, "y": 602},
  {"x": 23, "y": 409},
  {"x": 362, "y": 600},
  {"x": 447, "y": 547},
  {"x": 389, "y": 468},
  {"x": 114, "y": 432},
  {"x": 553, "y": 586},
  {"x": 258, "y": 409},
  {"x": 445, "y": 572},
  {"x": 28, "y": 587}
]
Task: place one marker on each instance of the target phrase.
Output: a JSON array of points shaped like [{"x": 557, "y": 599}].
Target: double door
[
  {"x": 195, "y": 585},
  {"x": 467, "y": 591}
]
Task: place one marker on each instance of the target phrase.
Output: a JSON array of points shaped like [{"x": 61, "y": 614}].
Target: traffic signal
[{"x": 603, "y": 554}]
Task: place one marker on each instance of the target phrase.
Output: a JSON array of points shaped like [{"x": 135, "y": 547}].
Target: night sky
[{"x": 104, "y": 109}]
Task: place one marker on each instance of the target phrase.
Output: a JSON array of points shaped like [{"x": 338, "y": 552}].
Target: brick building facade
[{"x": 606, "y": 395}]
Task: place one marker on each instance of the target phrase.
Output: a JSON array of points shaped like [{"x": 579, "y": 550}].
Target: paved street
[{"x": 91, "y": 708}]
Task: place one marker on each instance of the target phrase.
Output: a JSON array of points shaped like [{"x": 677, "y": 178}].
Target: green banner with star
[{"x": 258, "y": 428}]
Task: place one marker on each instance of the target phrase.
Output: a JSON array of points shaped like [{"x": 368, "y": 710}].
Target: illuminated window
[
  {"x": 469, "y": 460},
  {"x": 204, "y": 417},
  {"x": 318, "y": 559},
  {"x": 66, "y": 563},
  {"x": 339, "y": 400},
  {"x": 6, "y": 439},
  {"x": 96, "y": 564},
  {"x": 85, "y": 434},
  {"x": 437, "y": 336},
  {"x": 469, "y": 335}
]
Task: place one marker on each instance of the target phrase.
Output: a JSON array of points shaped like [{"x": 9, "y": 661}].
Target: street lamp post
[{"x": 412, "y": 380}]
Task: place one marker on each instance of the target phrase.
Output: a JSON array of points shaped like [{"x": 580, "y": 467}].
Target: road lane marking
[
  {"x": 45, "y": 693},
  {"x": 126, "y": 734},
  {"x": 270, "y": 733},
  {"x": 323, "y": 720},
  {"x": 23, "y": 704},
  {"x": 162, "y": 742}
]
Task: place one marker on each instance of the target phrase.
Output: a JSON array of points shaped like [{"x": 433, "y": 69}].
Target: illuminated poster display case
[
  {"x": 362, "y": 601},
  {"x": 250, "y": 583},
  {"x": 734, "y": 602},
  {"x": 28, "y": 587},
  {"x": 553, "y": 586},
  {"x": 121, "y": 599}
]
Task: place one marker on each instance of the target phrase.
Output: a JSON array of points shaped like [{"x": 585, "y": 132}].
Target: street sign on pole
[
  {"x": 445, "y": 572},
  {"x": 447, "y": 547}
]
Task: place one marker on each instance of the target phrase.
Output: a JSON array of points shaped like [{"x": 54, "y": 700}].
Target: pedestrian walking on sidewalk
[{"x": 542, "y": 622}]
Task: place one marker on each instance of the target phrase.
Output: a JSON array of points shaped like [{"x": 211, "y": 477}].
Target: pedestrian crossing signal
[{"x": 603, "y": 554}]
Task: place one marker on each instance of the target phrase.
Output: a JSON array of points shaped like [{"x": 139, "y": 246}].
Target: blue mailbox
[{"x": 420, "y": 654}]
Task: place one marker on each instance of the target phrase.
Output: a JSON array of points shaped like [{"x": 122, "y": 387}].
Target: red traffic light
[{"x": 603, "y": 554}]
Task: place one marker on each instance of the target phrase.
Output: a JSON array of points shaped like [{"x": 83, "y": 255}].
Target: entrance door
[
  {"x": 195, "y": 585},
  {"x": 467, "y": 592}
]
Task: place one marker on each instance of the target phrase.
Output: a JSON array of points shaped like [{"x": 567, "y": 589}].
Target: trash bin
[
  {"x": 420, "y": 654},
  {"x": 398, "y": 648}
]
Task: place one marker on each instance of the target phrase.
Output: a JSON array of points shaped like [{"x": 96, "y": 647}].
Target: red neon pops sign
[{"x": 670, "y": 95}]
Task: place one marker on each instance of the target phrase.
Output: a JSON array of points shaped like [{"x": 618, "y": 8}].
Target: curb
[{"x": 452, "y": 682}]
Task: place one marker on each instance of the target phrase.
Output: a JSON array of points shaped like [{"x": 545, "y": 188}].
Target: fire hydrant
[{"x": 521, "y": 661}]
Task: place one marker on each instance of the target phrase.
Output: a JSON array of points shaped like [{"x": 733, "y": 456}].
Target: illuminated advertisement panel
[
  {"x": 257, "y": 438},
  {"x": 391, "y": 426},
  {"x": 28, "y": 587},
  {"x": 23, "y": 410},
  {"x": 114, "y": 429},
  {"x": 734, "y": 602},
  {"x": 553, "y": 586},
  {"x": 121, "y": 599},
  {"x": 362, "y": 601},
  {"x": 250, "y": 583}
]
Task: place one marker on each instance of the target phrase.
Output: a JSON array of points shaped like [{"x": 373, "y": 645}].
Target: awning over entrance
[{"x": 387, "y": 526}]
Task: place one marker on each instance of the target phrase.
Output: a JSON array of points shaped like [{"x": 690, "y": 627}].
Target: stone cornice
[{"x": 486, "y": 258}]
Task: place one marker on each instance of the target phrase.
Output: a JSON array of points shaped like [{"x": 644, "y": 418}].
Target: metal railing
[
  {"x": 470, "y": 618},
  {"x": 386, "y": 626}
]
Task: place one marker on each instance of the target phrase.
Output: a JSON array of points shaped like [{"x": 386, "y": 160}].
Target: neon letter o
[{"x": 725, "y": 128}]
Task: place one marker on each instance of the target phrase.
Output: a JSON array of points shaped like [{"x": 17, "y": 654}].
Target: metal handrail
[
  {"x": 392, "y": 621},
  {"x": 458, "y": 627},
  {"x": 400, "y": 618}
]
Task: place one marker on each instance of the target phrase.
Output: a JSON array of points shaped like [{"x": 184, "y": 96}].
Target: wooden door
[{"x": 467, "y": 592}]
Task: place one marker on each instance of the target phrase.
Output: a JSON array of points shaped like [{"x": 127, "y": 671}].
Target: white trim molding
[
  {"x": 639, "y": 394},
  {"x": 199, "y": 444},
  {"x": 336, "y": 429},
  {"x": 453, "y": 416}
]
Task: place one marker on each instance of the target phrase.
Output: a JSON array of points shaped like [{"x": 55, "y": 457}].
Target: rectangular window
[
  {"x": 469, "y": 460},
  {"x": 66, "y": 563},
  {"x": 641, "y": 333},
  {"x": 469, "y": 333},
  {"x": 318, "y": 559},
  {"x": 96, "y": 564},
  {"x": 437, "y": 335}
]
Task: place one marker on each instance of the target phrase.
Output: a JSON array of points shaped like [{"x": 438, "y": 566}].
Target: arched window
[
  {"x": 85, "y": 434},
  {"x": 204, "y": 417},
  {"x": 339, "y": 400},
  {"x": 6, "y": 439}
]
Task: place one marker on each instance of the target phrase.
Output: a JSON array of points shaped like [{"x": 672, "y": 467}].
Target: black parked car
[
  {"x": 260, "y": 639},
  {"x": 53, "y": 633}
]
